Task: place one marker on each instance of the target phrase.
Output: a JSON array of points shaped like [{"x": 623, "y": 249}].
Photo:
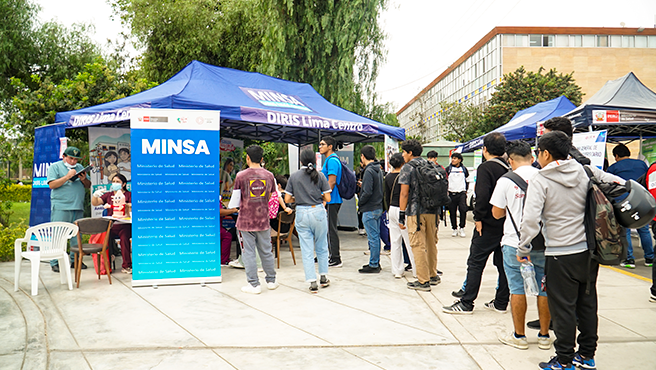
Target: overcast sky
[{"x": 424, "y": 36}]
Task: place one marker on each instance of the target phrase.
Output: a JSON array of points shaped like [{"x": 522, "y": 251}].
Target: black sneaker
[
  {"x": 366, "y": 269},
  {"x": 458, "y": 308},
  {"x": 439, "y": 273},
  {"x": 492, "y": 306},
  {"x": 458, "y": 293},
  {"x": 630, "y": 264},
  {"x": 324, "y": 282},
  {"x": 416, "y": 285},
  {"x": 435, "y": 280},
  {"x": 535, "y": 325},
  {"x": 649, "y": 262},
  {"x": 313, "y": 287},
  {"x": 409, "y": 267},
  {"x": 335, "y": 263},
  {"x": 55, "y": 268}
]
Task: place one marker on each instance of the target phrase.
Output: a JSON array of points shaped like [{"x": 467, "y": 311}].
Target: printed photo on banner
[
  {"x": 231, "y": 162},
  {"x": 391, "y": 147},
  {"x": 109, "y": 154}
]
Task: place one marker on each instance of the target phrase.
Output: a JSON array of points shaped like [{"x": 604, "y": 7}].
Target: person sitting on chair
[{"x": 119, "y": 230}]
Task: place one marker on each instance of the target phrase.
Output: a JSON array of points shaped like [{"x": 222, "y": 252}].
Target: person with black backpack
[
  {"x": 508, "y": 201},
  {"x": 557, "y": 199},
  {"x": 420, "y": 207},
  {"x": 486, "y": 238}
]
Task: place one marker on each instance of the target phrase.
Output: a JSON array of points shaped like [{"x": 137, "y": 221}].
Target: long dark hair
[
  {"x": 123, "y": 179},
  {"x": 308, "y": 159}
]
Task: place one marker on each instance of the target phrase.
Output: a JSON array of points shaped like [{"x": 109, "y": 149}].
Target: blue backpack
[{"x": 347, "y": 184}]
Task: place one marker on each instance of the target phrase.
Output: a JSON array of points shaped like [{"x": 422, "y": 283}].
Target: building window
[
  {"x": 641, "y": 41},
  {"x": 651, "y": 42},
  {"x": 588, "y": 40},
  {"x": 521, "y": 40},
  {"x": 535, "y": 40},
  {"x": 562, "y": 41},
  {"x": 602, "y": 41},
  {"x": 616, "y": 41},
  {"x": 575, "y": 40},
  {"x": 628, "y": 42},
  {"x": 548, "y": 40}
]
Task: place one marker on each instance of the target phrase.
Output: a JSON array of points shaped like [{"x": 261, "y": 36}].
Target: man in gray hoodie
[
  {"x": 556, "y": 196},
  {"x": 370, "y": 203}
]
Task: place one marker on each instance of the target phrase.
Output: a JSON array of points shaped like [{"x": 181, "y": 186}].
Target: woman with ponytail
[{"x": 310, "y": 190}]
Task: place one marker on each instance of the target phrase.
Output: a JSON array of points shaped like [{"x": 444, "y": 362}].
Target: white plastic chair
[{"x": 48, "y": 242}]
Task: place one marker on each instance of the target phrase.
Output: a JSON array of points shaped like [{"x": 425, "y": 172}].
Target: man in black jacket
[
  {"x": 371, "y": 205},
  {"x": 487, "y": 235}
]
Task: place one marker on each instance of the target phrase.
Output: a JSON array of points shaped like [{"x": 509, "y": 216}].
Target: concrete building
[{"x": 595, "y": 55}]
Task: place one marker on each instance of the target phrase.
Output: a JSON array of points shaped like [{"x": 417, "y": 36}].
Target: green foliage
[
  {"x": 521, "y": 89},
  {"x": 16, "y": 193},
  {"x": 463, "y": 122},
  {"x": 336, "y": 46},
  {"x": 173, "y": 33},
  {"x": 275, "y": 158},
  {"x": 96, "y": 84},
  {"x": 8, "y": 236}
]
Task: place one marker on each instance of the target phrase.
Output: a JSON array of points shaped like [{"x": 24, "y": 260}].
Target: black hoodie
[{"x": 371, "y": 195}]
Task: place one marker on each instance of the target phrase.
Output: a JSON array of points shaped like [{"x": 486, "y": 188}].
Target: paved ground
[{"x": 359, "y": 322}]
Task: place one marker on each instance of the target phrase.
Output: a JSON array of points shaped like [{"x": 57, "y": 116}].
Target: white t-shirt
[
  {"x": 507, "y": 193},
  {"x": 457, "y": 180}
]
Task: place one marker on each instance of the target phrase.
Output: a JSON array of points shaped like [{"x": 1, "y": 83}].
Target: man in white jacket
[{"x": 557, "y": 196}]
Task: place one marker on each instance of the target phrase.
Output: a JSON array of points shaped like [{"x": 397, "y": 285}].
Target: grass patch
[{"x": 21, "y": 213}]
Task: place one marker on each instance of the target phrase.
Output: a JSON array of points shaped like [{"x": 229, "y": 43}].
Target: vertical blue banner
[
  {"x": 175, "y": 197},
  {"x": 46, "y": 152}
]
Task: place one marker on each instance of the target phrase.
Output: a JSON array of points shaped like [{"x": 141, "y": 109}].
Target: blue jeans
[
  {"x": 645, "y": 241},
  {"x": 512, "y": 269},
  {"x": 312, "y": 228},
  {"x": 371, "y": 221},
  {"x": 384, "y": 231}
]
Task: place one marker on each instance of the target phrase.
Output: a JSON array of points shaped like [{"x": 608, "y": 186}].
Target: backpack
[
  {"x": 347, "y": 184},
  {"x": 606, "y": 238},
  {"x": 432, "y": 185},
  {"x": 538, "y": 242}
]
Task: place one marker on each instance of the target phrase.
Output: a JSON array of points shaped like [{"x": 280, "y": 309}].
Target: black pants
[
  {"x": 333, "y": 238},
  {"x": 567, "y": 278},
  {"x": 458, "y": 202},
  {"x": 653, "y": 267},
  {"x": 481, "y": 248}
]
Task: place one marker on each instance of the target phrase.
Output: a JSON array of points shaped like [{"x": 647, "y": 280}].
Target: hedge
[{"x": 16, "y": 193}]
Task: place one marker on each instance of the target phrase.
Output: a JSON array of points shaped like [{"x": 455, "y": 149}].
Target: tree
[
  {"x": 173, "y": 33},
  {"x": 463, "y": 122},
  {"x": 48, "y": 49},
  {"x": 521, "y": 89},
  {"x": 96, "y": 84},
  {"x": 336, "y": 46}
]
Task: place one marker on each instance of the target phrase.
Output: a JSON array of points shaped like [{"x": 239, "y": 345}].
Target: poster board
[
  {"x": 175, "y": 197},
  {"x": 391, "y": 147},
  {"x": 592, "y": 145},
  {"x": 648, "y": 150},
  {"x": 109, "y": 154}
]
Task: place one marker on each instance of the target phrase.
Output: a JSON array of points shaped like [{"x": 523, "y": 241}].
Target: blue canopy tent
[
  {"x": 625, "y": 107},
  {"x": 252, "y": 105},
  {"x": 523, "y": 125}
]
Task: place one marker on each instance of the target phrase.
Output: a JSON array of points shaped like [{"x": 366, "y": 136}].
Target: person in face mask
[
  {"x": 67, "y": 193},
  {"x": 122, "y": 231}
]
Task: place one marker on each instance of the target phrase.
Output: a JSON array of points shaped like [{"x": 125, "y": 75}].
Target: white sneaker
[
  {"x": 235, "y": 264},
  {"x": 511, "y": 340},
  {"x": 398, "y": 276},
  {"x": 544, "y": 343},
  {"x": 462, "y": 233},
  {"x": 455, "y": 232},
  {"x": 251, "y": 289},
  {"x": 385, "y": 252},
  {"x": 362, "y": 232},
  {"x": 273, "y": 286}
]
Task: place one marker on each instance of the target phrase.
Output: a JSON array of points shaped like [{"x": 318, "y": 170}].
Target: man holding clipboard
[{"x": 67, "y": 180}]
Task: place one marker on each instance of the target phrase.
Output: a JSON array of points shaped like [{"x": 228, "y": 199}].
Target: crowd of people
[{"x": 516, "y": 224}]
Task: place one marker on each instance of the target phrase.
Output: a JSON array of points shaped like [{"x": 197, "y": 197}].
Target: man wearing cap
[{"x": 67, "y": 192}]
